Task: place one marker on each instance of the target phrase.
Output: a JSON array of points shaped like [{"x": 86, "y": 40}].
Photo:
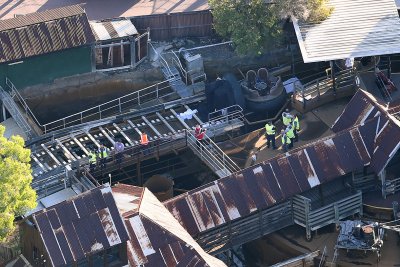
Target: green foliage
[
  {"x": 250, "y": 24},
  {"x": 16, "y": 194},
  {"x": 304, "y": 10}
]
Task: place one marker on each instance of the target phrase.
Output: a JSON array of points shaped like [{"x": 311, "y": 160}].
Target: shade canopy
[{"x": 356, "y": 28}]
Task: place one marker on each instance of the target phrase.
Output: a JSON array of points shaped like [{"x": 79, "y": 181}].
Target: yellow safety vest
[
  {"x": 103, "y": 153},
  {"x": 92, "y": 157},
  {"x": 296, "y": 124},
  {"x": 290, "y": 133},
  {"x": 285, "y": 138},
  {"x": 270, "y": 129},
  {"x": 286, "y": 120}
]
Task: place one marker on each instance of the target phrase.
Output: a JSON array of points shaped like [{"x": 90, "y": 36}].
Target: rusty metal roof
[
  {"x": 157, "y": 238},
  {"x": 127, "y": 198},
  {"x": 82, "y": 225},
  {"x": 384, "y": 136},
  {"x": 263, "y": 185},
  {"x": 108, "y": 30},
  {"x": 44, "y": 32}
]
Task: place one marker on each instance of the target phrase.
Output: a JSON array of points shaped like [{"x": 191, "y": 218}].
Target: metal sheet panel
[
  {"x": 298, "y": 171},
  {"x": 200, "y": 211},
  {"x": 43, "y": 34},
  {"x": 360, "y": 146},
  {"x": 233, "y": 197},
  {"x": 179, "y": 208},
  {"x": 64, "y": 246},
  {"x": 49, "y": 239},
  {"x": 349, "y": 157},
  {"x": 288, "y": 173},
  {"x": 347, "y": 34},
  {"x": 274, "y": 187},
  {"x": 256, "y": 192},
  {"x": 73, "y": 241}
]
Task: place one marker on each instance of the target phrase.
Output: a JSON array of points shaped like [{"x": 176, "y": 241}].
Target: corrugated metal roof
[
  {"x": 113, "y": 29},
  {"x": 356, "y": 28},
  {"x": 157, "y": 238},
  {"x": 384, "y": 137},
  {"x": 80, "y": 226},
  {"x": 263, "y": 185},
  {"x": 44, "y": 32}
]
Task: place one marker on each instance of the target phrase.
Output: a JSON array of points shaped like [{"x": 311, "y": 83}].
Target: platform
[{"x": 13, "y": 129}]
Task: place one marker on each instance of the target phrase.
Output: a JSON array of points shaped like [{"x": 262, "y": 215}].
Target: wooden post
[
  {"x": 138, "y": 173},
  {"x": 333, "y": 77}
]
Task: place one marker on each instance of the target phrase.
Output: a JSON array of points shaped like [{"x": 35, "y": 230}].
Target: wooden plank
[
  {"x": 151, "y": 126},
  {"x": 195, "y": 116},
  {"x": 107, "y": 135},
  {"x": 166, "y": 123},
  {"x": 66, "y": 151},
  {"x": 123, "y": 134},
  {"x": 80, "y": 145},
  {"x": 180, "y": 120},
  {"x": 93, "y": 140},
  {"x": 39, "y": 163},
  {"x": 51, "y": 155}
]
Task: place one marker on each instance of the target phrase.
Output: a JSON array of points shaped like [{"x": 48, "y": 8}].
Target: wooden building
[
  {"x": 40, "y": 47},
  {"x": 85, "y": 230}
]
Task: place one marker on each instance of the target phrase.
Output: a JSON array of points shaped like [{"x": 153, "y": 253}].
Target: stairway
[
  {"x": 212, "y": 156},
  {"x": 16, "y": 113}
]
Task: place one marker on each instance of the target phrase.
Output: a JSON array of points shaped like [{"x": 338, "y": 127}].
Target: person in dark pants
[
  {"x": 103, "y": 154},
  {"x": 296, "y": 127},
  {"x": 118, "y": 150},
  {"x": 270, "y": 133},
  {"x": 92, "y": 160},
  {"x": 285, "y": 141}
]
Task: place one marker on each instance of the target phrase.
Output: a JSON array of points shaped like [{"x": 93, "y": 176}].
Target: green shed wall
[{"x": 46, "y": 68}]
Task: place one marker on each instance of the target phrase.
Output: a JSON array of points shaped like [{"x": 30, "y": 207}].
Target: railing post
[
  {"x": 138, "y": 98},
  {"x": 157, "y": 90},
  {"x": 64, "y": 123},
  {"x": 318, "y": 92},
  {"x": 119, "y": 104},
  {"x": 81, "y": 117},
  {"x": 100, "y": 112}
]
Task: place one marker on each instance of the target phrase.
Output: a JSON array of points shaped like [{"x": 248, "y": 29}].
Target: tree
[
  {"x": 16, "y": 195},
  {"x": 254, "y": 26},
  {"x": 250, "y": 24},
  {"x": 303, "y": 10}
]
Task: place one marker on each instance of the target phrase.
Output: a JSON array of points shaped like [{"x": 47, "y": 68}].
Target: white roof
[
  {"x": 356, "y": 28},
  {"x": 113, "y": 29}
]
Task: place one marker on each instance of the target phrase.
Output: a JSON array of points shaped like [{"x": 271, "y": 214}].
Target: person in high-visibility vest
[
  {"x": 92, "y": 160},
  {"x": 286, "y": 117},
  {"x": 290, "y": 134},
  {"x": 103, "y": 154},
  {"x": 144, "y": 139},
  {"x": 285, "y": 141},
  {"x": 270, "y": 133},
  {"x": 296, "y": 127}
]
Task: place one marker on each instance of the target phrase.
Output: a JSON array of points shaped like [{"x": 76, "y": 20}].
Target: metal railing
[
  {"x": 391, "y": 187},
  {"x": 316, "y": 219},
  {"x": 212, "y": 155},
  {"x": 384, "y": 89},
  {"x": 116, "y": 106},
  {"x": 226, "y": 114},
  {"x": 163, "y": 62},
  {"x": 176, "y": 61},
  {"x": 316, "y": 88},
  {"x": 15, "y": 111}
]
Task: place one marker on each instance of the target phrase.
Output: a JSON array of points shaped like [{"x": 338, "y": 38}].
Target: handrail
[
  {"x": 100, "y": 111},
  {"x": 226, "y": 113},
  {"x": 15, "y": 92},
  {"x": 220, "y": 159},
  {"x": 163, "y": 61},
  {"x": 177, "y": 62},
  {"x": 383, "y": 86}
]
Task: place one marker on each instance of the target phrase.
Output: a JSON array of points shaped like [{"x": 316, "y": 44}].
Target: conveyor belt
[{"x": 57, "y": 153}]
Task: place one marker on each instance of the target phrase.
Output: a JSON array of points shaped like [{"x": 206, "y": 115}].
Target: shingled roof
[
  {"x": 156, "y": 237},
  {"x": 44, "y": 32},
  {"x": 80, "y": 226},
  {"x": 273, "y": 181}
]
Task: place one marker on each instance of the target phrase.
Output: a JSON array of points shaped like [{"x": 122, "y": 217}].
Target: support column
[
  {"x": 133, "y": 51},
  {"x": 332, "y": 64},
  {"x": 389, "y": 67},
  {"x": 382, "y": 177}
]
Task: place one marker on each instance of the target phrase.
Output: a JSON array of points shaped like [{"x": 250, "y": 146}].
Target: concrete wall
[{"x": 46, "y": 68}]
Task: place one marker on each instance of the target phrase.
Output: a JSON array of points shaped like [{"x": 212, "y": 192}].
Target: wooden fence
[{"x": 175, "y": 25}]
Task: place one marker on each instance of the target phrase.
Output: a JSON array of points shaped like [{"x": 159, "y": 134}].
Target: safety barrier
[
  {"x": 212, "y": 155},
  {"x": 316, "y": 219},
  {"x": 391, "y": 187},
  {"x": 104, "y": 110},
  {"x": 226, "y": 119}
]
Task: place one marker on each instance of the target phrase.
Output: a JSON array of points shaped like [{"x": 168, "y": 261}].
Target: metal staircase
[
  {"x": 16, "y": 113},
  {"x": 212, "y": 156}
]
